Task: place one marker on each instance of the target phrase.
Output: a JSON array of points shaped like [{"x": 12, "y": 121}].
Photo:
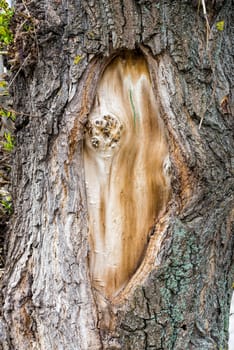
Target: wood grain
[{"x": 126, "y": 184}]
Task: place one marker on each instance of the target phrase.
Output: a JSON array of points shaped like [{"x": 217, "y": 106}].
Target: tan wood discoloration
[{"x": 125, "y": 152}]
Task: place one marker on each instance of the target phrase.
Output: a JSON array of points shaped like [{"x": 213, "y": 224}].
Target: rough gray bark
[{"x": 182, "y": 302}]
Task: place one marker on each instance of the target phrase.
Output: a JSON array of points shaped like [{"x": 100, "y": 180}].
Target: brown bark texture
[{"x": 179, "y": 297}]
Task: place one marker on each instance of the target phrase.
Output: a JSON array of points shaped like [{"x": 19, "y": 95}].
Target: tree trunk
[{"x": 171, "y": 284}]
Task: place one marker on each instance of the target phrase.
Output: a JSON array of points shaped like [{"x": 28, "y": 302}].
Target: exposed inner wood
[{"x": 126, "y": 160}]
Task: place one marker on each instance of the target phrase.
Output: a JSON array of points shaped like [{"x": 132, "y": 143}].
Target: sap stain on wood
[{"x": 124, "y": 154}]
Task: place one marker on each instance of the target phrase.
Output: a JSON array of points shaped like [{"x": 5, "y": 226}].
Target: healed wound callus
[
  {"x": 125, "y": 151},
  {"x": 104, "y": 132}
]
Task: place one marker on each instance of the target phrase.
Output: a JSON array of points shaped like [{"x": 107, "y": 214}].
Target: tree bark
[{"x": 179, "y": 297}]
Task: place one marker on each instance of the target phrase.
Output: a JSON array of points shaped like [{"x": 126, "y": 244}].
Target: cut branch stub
[{"x": 125, "y": 155}]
